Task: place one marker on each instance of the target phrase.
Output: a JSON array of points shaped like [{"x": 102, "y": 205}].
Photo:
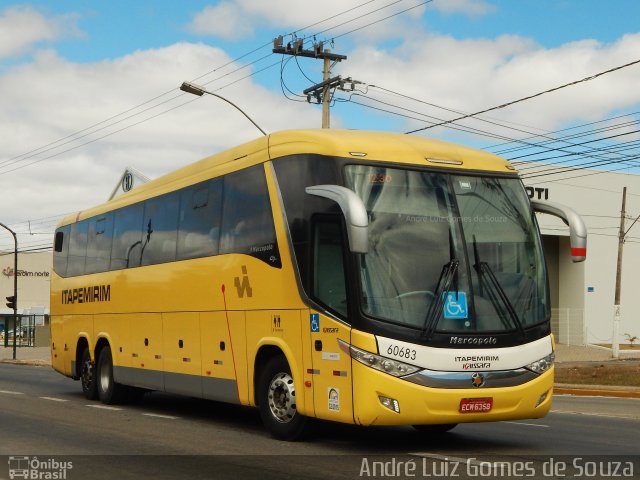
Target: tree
[{"x": 632, "y": 339}]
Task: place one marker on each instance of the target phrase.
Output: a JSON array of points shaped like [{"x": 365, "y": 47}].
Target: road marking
[
  {"x": 104, "y": 407},
  {"x": 157, "y": 415},
  {"x": 54, "y": 399},
  {"x": 529, "y": 424},
  {"x": 9, "y": 392},
  {"x": 631, "y": 417},
  {"x": 443, "y": 458}
]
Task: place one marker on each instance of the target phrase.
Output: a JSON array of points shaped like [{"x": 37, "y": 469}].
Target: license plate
[{"x": 476, "y": 405}]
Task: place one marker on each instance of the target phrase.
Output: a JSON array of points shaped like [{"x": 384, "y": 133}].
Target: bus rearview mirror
[{"x": 354, "y": 211}]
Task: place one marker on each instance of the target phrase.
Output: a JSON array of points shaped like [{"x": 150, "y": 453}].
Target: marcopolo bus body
[{"x": 360, "y": 277}]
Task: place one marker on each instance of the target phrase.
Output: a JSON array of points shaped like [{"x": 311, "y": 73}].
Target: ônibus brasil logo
[
  {"x": 34, "y": 468},
  {"x": 8, "y": 272}
]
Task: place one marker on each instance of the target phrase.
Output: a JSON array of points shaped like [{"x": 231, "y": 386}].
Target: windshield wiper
[
  {"x": 447, "y": 275},
  {"x": 495, "y": 292}
]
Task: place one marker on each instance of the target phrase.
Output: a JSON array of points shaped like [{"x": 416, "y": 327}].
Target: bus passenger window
[
  {"x": 160, "y": 229},
  {"x": 329, "y": 285},
  {"x": 99, "y": 244},
  {"x": 77, "y": 248},
  {"x": 199, "y": 223},
  {"x": 247, "y": 224},
  {"x": 127, "y": 237},
  {"x": 61, "y": 250}
]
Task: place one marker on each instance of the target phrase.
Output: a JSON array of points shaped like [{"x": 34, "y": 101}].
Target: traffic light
[{"x": 11, "y": 302}]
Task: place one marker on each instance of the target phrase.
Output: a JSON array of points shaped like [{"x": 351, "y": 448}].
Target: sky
[{"x": 88, "y": 89}]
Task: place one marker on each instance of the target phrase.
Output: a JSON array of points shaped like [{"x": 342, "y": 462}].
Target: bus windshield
[{"x": 449, "y": 252}]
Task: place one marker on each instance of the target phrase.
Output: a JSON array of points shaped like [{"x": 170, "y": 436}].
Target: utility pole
[
  {"x": 12, "y": 301},
  {"x": 615, "y": 344},
  {"x": 325, "y": 92},
  {"x": 319, "y": 91}
]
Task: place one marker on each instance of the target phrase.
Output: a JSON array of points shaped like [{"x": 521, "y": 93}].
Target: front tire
[
  {"x": 109, "y": 391},
  {"x": 88, "y": 376},
  {"x": 277, "y": 401}
]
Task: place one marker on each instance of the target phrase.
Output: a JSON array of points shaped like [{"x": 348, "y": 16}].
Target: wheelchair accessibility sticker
[
  {"x": 455, "y": 305},
  {"x": 315, "y": 322}
]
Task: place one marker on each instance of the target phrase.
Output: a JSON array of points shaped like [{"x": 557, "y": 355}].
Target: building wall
[
  {"x": 34, "y": 274},
  {"x": 590, "y": 286}
]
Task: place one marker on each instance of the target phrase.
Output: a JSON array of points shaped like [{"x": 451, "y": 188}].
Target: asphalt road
[{"x": 44, "y": 415}]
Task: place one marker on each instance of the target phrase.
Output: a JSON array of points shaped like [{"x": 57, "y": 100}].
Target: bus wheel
[
  {"x": 435, "y": 429},
  {"x": 109, "y": 391},
  {"x": 88, "y": 376},
  {"x": 277, "y": 401}
]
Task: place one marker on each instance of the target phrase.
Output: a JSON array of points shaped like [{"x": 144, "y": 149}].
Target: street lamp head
[
  {"x": 192, "y": 88},
  {"x": 198, "y": 90}
]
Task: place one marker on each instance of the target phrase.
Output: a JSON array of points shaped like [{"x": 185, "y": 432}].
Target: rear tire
[
  {"x": 88, "y": 376},
  {"x": 277, "y": 401},
  {"x": 435, "y": 429},
  {"x": 109, "y": 391}
]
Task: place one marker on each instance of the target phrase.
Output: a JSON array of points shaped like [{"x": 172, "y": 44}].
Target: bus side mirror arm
[
  {"x": 577, "y": 228},
  {"x": 354, "y": 211}
]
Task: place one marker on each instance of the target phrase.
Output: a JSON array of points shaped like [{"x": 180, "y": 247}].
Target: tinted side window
[
  {"x": 127, "y": 237},
  {"x": 160, "y": 229},
  {"x": 61, "y": 250},
  {"x": 199, "y": 222},
  {"x": 329, "y": 284},
  {"x": 77, "y": 248},
  {"x": 99, "y": 243},
  {"x": 247, "y": 224}
]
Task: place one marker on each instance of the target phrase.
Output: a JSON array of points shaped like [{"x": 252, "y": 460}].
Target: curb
[
  {"x": 35, "y": 363},
  {"x": 597, "y": 391}
]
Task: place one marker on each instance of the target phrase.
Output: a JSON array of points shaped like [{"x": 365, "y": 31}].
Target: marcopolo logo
[
  {"x": 9, "y": 272},
  {"x": 38, "y": 469}
]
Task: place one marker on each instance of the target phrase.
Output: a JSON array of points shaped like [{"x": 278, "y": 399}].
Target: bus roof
[{"x": 356, "y": 144}]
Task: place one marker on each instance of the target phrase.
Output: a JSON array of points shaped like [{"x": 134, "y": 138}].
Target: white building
[
  {"x": 34, "y": 280},
  {"x": 582, "y": 294}
]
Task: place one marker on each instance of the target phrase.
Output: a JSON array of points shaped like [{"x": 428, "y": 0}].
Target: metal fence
[
  {"x": 568, "y": 326},
  {"x": 25, "y": 328}
]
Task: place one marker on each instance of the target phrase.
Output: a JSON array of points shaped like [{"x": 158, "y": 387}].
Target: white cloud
[
  {"x": 471, "y": 75},
  {"x": 52, "y": 97},
  {"x": 225, "y": 20},
  {"x": 239, "y": 18},
  {"x": 474, "y": 8},
  {"x": 23, "y": 27}
]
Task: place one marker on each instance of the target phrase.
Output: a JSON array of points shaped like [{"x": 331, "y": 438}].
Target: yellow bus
[{"x": 362, "y": 277}]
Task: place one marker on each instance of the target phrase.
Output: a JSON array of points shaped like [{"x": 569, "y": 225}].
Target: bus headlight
[
  {"x": 542, "y": 365},
  {"x": 377, "y": 362}
]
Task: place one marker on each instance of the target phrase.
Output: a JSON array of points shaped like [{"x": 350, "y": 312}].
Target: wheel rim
[
  {"x": 87, "y": 374},
  {"x": 282, "y": 397},
  {"x": 105, "y": 376}
]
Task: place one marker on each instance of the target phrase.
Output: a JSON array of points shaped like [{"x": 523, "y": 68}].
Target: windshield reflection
[{"x": 420, "y": 223}]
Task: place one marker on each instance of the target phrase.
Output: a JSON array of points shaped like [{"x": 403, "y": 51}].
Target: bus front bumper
[{"x": 381, "y": 399}]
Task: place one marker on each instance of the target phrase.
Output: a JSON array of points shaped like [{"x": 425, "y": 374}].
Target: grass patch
[{"x": 620, "y": 373}]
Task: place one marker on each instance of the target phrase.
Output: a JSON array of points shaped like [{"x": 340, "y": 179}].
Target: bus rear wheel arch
[{"x": 276, "y": 396}]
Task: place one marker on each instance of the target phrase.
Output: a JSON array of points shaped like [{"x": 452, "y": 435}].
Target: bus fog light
[
  {"x": 542, "y": 365},
  {"x": 542, "y": 398},
  {"x": 390, "y": 403}
]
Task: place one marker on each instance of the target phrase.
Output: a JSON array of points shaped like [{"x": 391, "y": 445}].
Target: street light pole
[
  {"x": 199, "y": 91},
  {"x": 15, "y": 286}
]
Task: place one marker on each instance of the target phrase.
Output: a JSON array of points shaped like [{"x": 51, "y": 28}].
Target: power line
[
  {"x": 588, "y": 152},
  {"x": 90, "y": 130},
  {"x": 575, "y": 82}
]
